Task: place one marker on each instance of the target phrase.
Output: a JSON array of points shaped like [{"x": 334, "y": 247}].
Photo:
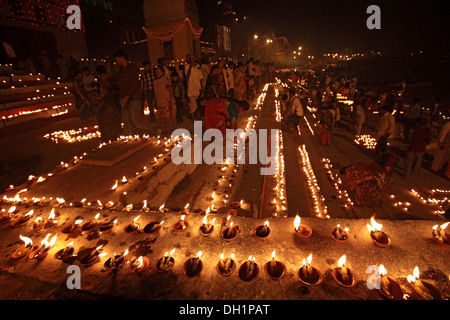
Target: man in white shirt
[{"x": 193, "y": 78}]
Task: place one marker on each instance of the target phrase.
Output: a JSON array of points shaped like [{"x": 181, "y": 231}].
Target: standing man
[
  {"x": 130, "y": 95},
  {"x": 147, "y": 87},
  {"x": 194, "y": 77}
]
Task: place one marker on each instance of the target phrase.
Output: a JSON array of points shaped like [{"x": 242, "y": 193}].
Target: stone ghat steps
[{"x": 412, "y": 245}]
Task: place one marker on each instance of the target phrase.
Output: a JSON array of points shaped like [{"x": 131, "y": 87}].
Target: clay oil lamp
[
  {"x": 5, "y": 217},
  {"x": 380, "y": 238},
  {"x": 37, "y": 224},
  {"x": 128, "y": 208},
  {"x": 106, "y": 227},
  {"x": 207, "y": 228},
  {"x": 262, "y": 232},
  {"x": 109, "y": 204},
  {"x": 225, "y": 267},
  {"x": 230, "y": 233},
  {"x": 185, "y": 209},
  {"x": 212, "y": 196},
  {"x": 154, "y": 161},
  {"x": 51, "y": 221},
  {"x": 439, "y": 234},
  {"x": 237, "y": 205},
  {"x": 343, "y": 275},
  {"x": 139, "y": 265},
  {"x": 124, "y": 180},
  {"x": 423, "y": 290},
  {"x": 166, "y": 263},
  {"x": 144, "y": 207},
  {"x": 163, "y": 208},
  {"x": 153, "y": 227},
  {"x": 21, "y": 221},
  {"x": 89, "y": 226},
  {"x": 42, "y": 251},
  {"x": 339, "y": 234},
  {"x": 115, "y": 185},
  {"x": 249, "y": 270},
  {"x": 302, "y": 231},
  {"x": 275, "y": 269},
  {"x": 133, "y": 227},
  {"x": 70, "y": 227},
  {"x": 193, "y": 266},
  {"x": 309, "y": 275},
  {"x": 388, "y": 287},
  {"x": 93, "y": 257},
  {"x": 181, "y": 224},
  {"x": 25, "y": 249},
  {"x": 66, "y": 253},
  {"x": 116, "y": 261}
]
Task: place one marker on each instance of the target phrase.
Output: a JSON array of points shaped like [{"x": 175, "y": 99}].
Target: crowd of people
[
  {"x": 194, "y": 90},
  {"x": 418, "y": 128}
]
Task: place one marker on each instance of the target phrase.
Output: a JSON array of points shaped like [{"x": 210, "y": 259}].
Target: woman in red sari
[{"x": 216, "y": 115}]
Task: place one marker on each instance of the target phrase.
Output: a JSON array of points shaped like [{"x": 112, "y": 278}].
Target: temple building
[{"x": 172, "y": 28}]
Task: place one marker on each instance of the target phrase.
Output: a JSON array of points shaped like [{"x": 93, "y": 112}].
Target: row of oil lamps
[
  {"x": 319, "y": 206},
  {"x": 248, "y": 271},
  {"x": 25, "y": 113}
]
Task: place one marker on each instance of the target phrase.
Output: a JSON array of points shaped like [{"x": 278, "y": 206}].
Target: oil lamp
[
  {"x": 70, "y": 227},
  {"x": 66, "y": 253},
  {"x": 263, "y": 231},
  {"x": 193, "y": 266},
  {"x": 339, "y": 234},
  {"x": 230, "y": 233},
  {"x": 106, "y": 227},
  {"x": 163, "y": 209},
  {"x": 302, "y": 231},
  {"x": 37, "y": 224},
  {"x": 249, "y": 270},
  {"x": 181, "y": 224},
  {"x": 166, "y": 263},
  {"x": 308, "y": 274},
  {"x": 51, "y": 221},
  {"x": 225, "y": 267},
  {"x": 153, "y": 226},
  {"x": 343, "y": 275},
  {"x": 185, "y": 209},
  {"x": 207, "y": 228},
  {"x": 439, "y": 234},
  {"x": 90, "y": 226},
  {"x": 7, "y": 216},
  {"x": 212, "y": 196},
  {"x": 21, "y": 221},
  {"x": 380, "y": 238},
  {"x": 424, "y": 290},
  {"x": 25, "y": 249},
  {"x": 42, "y": 251},
  {"x": 275, "y": 269},
  {"x": 138, "y": 265},
  {"x": 93, "y": 256},
  {"x": 124, "y": 180},
  {"x": 144, "y": 206},
  {"x": 132, "y": 227},
  {"x": 116, "y": 261},
  {"x": 388, "y": 287}
]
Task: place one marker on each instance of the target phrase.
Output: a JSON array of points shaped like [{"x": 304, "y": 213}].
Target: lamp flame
[
  {"x": 297, "y": 222},
  {"x": 26, "y": 240},
  {"x": 341, "y": 262},
  {"x": 374, "y": 226}
]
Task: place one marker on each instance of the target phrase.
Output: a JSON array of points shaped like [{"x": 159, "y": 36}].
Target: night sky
[{"x": 325, "y": 25}]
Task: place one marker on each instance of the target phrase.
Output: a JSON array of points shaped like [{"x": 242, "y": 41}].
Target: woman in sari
[{"x": 166, "y": 111}]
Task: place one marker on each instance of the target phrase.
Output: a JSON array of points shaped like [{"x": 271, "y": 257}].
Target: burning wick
[
  {"x": 250, "y": 264},
  {"x": 167, "y": 257},
  {"x": 22, "y": 251},
  {"x": 124, "y": 180},
  {"x": 307, "y": 270},
  {"x": 418, "y": 286},
  {"x": 297, "y": 221},
  {"x": 439, "y": 232},
  {"x": 181, "y": 222},
  {"x": 339, "y": 233},
  {"x": 196, "y": 260},
  {"x": 161, "y": 208},
  {"x": 273, "y": 263},
  {"x": 376, "y": 233},
  {"x": 212, "y": 196},
  {"x": 265, "y": 227}
]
